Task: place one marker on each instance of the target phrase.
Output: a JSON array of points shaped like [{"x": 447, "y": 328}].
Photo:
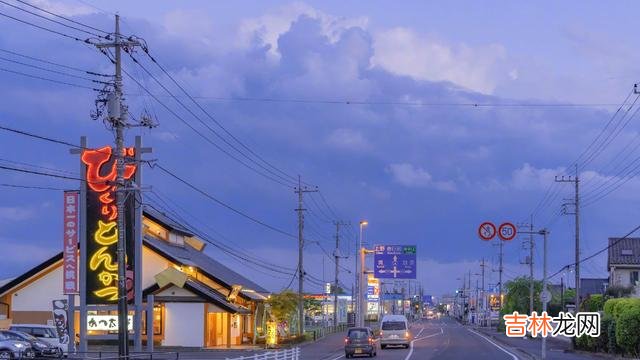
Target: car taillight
[
  {"x": 406, "y": 334},
  {"x": 346, "y": 340},
  {"x": 370, "y": 340},
  {"x": 380, "y": 332}
]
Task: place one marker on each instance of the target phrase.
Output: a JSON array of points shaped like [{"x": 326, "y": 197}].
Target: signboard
[
  {"x": 507, "y": 231},
  {"x": 395, "y": 262},
  {"x": 327, "y": 288},
  {"x": 487, "y": 231},
  {"x": 272, "y": 334},
  {"x": 106, "y": 322},
  {"x": 342, "y": 311},
  {"x": 392, "y": 296},
  {"x": 102, "y": 233},
  {"x": 70, "y": 242},
  {"x": 61, "y": 322}
]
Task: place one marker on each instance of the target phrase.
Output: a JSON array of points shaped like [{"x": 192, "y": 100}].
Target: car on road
[
  {"x": 360, "y": 341},
  {"x": 13, "y": 349},
  {"x": 40, "y": 348},
  {"x": 394, "y": 331},
  {"x": 44, "y": 333}
]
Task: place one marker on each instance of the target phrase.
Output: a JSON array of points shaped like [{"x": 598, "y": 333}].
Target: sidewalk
[{"x": 557, "y": 348}]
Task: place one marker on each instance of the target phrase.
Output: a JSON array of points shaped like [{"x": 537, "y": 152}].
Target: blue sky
[{"x": 425, "y": 175}]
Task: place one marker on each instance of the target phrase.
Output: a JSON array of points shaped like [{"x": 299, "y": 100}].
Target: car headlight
[{"x": 18, "y": 345}]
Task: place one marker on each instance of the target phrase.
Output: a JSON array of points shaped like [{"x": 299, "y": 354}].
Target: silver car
[
  {"x": 394, "y": 331},
  {"x": 12, "y": 349}
]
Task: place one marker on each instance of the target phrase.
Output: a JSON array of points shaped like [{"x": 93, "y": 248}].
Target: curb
[{"x": 518, "y": 350}]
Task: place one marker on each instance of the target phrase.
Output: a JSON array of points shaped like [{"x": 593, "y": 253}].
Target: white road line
[
  {"x": 339, "y": 357},
  {"x": 420, "y": 332},
  {"x": 494, "y": 344},
  {"x": 422, "y": 338}
]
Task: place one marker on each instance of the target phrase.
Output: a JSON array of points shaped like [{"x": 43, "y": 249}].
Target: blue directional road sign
[{"x": 395, "y": 262}]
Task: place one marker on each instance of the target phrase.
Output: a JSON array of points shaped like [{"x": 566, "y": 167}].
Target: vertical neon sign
[{"x": 102, "y": 233}]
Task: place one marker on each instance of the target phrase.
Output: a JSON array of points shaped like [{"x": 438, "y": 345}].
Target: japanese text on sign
[{"x": 70, "y": 242}]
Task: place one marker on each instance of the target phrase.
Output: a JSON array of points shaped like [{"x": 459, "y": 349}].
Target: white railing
[{"x": 286, "y": 354}]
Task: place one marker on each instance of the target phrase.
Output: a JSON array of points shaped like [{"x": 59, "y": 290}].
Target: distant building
[
  {"x": 624, "y": 263},
  {"x": 593, "y": 286}
]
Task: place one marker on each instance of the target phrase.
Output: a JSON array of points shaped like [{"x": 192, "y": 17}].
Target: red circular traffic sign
[
  {"x": 487, "y": 231},
  {"x": 507, "y": 231}
]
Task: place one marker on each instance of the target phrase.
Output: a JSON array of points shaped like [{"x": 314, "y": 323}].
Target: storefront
[{"x": 190, "y": 289}]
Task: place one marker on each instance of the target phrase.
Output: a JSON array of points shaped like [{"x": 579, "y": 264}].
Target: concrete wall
[{"x": 186, "y": 324}]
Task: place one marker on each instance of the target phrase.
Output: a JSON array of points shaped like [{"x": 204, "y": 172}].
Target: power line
[
  {"x": 199, "y": 133},
  {"x": 33, "y": 172},
  {"x": 87, "y": 41},
  {"x": 54, "y": 63},
  {"x": 54, "y": 71},
  {"x": 291, "y": 178},
  {"x": 31, "y": 187},
  {"x": 38, "y": 167},
  {"x": 65, "y": 18},
  {"x": 51, "y": 20},
  {"x": 50, "y": 80},
  {"x": 221, "y": 203}
]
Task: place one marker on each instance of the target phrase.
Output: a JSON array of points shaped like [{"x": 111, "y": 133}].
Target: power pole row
[
  {"x": 300, "y": 190},
  {"x": 576, "y": 205},
  {"x": 336, "y": 282}
]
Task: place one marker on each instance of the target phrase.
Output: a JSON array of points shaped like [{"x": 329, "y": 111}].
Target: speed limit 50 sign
[{"x": 507, "y": 231}]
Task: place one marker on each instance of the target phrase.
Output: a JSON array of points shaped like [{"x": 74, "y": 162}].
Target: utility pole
[
  {"x": 576, "y": 204},
  {"x": 482, "y": 266},
  {"x": 500, "y": 269},
  {"x": 544, "y": 233},
  {"x": 336, "y": 282},
  {"x": 531, "y": 247},
  {"x": 118, "y": 119},
  {"x": 300, "y": 190}
]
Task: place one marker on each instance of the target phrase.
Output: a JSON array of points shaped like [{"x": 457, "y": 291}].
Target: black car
[
  {"x": 40, "y": 348},
  {"x": 360, "y": 341}
]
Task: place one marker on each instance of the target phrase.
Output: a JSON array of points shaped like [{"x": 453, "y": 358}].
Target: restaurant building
[{"x": 191, "y": 291}]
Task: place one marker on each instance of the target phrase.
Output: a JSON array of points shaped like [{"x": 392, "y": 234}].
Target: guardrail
[
  {"x": 285, "y": 354},
  {"x": 321, "y": 332}
]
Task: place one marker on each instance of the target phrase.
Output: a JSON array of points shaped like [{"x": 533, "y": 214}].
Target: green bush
[
  {"x": 609, "y": 305},
  {"x": 612, "y": 346},
  {"x": 628, "y": 328},
  {"x": 603, "y": 341},
  {"x": 593, "y": 303}
]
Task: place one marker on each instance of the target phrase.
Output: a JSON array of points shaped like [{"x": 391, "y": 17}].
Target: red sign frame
[
  {"x": 71, "y": 218},
  {"x": 495, "y": 231},
  {"x": 503, "y": 225}
]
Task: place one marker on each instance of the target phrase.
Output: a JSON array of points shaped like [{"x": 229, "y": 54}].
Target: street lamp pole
[{"x": 360, "y": 311}]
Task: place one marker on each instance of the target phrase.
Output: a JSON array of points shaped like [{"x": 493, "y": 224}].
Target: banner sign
[
  {"x": 395, "y": 262},
  {"x": 61, "y": 320},
  {"x": 70, "y": 242},
  {"x": 102, "y": 230},
  {"x": 106, "y": 322}
]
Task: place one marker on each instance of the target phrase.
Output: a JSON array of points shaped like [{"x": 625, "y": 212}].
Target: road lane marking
[
  {"x": 420, "y": 332},
  {"x": 422, "y": 338},
  {"x": 494, "y": 344},
  {"x": 339, "y": 357}
]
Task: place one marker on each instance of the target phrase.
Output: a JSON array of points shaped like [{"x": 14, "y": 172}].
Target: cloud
[
  {"x": 348, "y": 139},
  {"x": 404, "y": 52},
  {"x": 408, "y": 175},
  {"x": 530, "y": 178},
  {"x": 16, "y": 213},
  {"x": 63, "y": 8}
]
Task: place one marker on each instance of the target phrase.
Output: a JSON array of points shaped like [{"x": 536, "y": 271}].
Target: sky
[{"x": 371, "y": 101}]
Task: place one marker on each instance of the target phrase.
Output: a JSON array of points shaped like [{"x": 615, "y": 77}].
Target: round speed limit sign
[{"x": 507, "y": 231}]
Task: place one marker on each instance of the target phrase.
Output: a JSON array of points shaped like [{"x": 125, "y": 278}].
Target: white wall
[
  {"x": 38, "y": 295},
  {"x": 152, "y": 264},
  {"x": 184, "y": 324}
]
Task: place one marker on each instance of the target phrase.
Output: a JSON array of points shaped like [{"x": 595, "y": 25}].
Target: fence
[
  {"x": 286, "y": 354},
  {"x": 318, "y": 333}
]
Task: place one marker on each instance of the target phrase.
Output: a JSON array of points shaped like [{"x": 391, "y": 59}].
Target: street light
[{"x": 360, "y": 308}]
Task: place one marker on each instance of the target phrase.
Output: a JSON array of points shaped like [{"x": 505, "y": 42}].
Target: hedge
[{"x": 628, "y": 330}]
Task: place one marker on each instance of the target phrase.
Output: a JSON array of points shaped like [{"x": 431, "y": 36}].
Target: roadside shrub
[
  {"x": 602, "y": 342},
  {"x": 593, "y": 303},
  {"x": 608, "y": 306},
  {"x": 628, "y": 329},
  {"x": 586, "y": 343},
  {"x": 612, "y": 346}
]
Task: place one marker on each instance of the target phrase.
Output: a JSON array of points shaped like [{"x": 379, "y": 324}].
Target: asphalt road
[{"x": 442, "y": 339}]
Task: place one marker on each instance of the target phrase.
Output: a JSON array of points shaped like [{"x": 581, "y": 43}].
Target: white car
[
  {"x": 45, "y": 333},
  {"x": 394, "y": 330}
]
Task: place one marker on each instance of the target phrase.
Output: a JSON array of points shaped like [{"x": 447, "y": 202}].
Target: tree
[
  {"x": 312, "y": 307},
  {"x": 283, "y": 305},
  {"x": 517, "y": 297},
  {"x": 619, "y": 291}
]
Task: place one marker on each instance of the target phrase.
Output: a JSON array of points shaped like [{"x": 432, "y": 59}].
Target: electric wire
[
  {"x": 31, "y": 187},
  {"x": 55, "y": 71},
  {"x": 49, "y": 80},
  {"x": 64, "y": 17},
  {"x": 86, "y": 41},
  {"x": 54, "y": 63}
]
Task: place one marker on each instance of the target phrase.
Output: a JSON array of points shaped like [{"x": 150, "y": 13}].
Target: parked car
[
  {"x": 45, "y": 333},
  {"x": 360, "y": 341},
  {"x": 12, "y": 349},
  {"x": 40, "y": 348},
  {"x": 394, "y": 330}
]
